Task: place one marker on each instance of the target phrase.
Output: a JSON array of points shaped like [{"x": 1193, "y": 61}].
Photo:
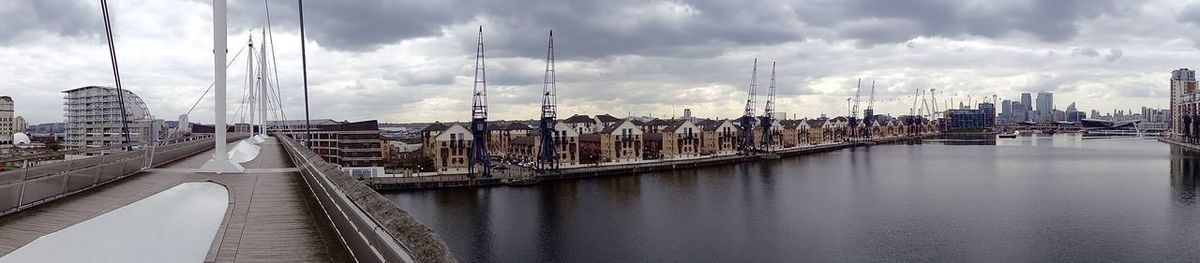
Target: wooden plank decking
[{"x": 271, "y": 216}]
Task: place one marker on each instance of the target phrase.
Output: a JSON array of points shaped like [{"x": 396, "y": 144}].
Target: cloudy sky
[{"x": 413, "y": 60}]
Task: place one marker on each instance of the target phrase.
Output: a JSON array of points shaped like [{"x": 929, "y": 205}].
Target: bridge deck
[{"x": 271, "y": 216}]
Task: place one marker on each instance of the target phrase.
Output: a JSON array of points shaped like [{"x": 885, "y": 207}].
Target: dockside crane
[
  {"x": 914, "y": 116},
  {"x": 869, "y": 113},
  {"x": 769, "y": 113},
  {"x": 548, "y": 156},
  {"x": 933, "y": 103},
  {"x": 747, "y": 121},
  {"x": 479, "y": 112},
  {"x": 852, "y": 132}
]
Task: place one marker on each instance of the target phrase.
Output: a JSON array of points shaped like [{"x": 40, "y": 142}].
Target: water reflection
[
  {"x": 1185, "y": 167},
  {"x": 1044, "y": 198}
]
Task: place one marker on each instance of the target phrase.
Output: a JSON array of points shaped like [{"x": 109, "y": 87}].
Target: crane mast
[
  {"x": 854, "y": 111},
  {"x": 747, "y": 121},
  {"x": 769, "y": 113},
  {"x": 479, "y": 112},
  {"x": 547, "y": 156},
  {"x": 869, "y": 113}
]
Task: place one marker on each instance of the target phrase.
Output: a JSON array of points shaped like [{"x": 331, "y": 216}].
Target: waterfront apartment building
[
  {"x": 718, "y": 137},
  {"x": 452, "y": 150},
  {"x": 680, "y": 139},
  {"x": 819, "y": 130},
  {"x": 94, "y": 117},
  {"x": 776, "y": 133},
  {"x": 583, "y": 124},
  {"x": 621, "y": 142},
  {"x": 1185, "y": 125},
  {"x": 348, "y": 144},
  {"x": 501, "y": 135},
  {"x": 791, "y": 134},
  {"x": 7, "y": 122}
]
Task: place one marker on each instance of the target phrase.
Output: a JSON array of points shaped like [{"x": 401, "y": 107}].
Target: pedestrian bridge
[{"x": 288, "y": 206}]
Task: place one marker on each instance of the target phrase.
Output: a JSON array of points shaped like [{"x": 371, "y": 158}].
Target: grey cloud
[
  {"x": 592, "y": 28},
  {"x": 1048, "y": 20},
  {"x": 1085, "y": 51},
  {"x": 353, "y": 25},
  {"x": 71, "y": 18},
  {"x": 1190, "y": 14},
  {"x": 1113, "y": 55}
]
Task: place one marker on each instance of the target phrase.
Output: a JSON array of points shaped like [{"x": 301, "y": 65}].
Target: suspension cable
[
  {"x": 210, "y": 85},
  {"x": 112, "y": 52}
]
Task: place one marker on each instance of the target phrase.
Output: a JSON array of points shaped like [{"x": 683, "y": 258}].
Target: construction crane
[
  {"x": 747, "y": 121},
  {"x": 769, "y": 112},
  {"x": 869, "y": 113},
  {"x": 548, "y": 157},
  {"x": 854, "y": 111},
  {"x": 933, "y": 103},
  {"x": 479, "y": 130}
]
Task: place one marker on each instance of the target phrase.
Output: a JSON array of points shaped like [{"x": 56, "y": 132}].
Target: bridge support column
[{"x": 220, "y": 162}]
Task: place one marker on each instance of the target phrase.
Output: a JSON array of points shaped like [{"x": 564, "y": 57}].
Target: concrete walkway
[{"x": 271, "y": 216}]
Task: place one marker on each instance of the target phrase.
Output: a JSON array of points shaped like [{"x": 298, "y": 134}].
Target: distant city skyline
[{"x": 411, "y": 62}]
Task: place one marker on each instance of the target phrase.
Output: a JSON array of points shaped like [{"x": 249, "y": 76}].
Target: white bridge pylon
[{"x": 220, "y": 162}]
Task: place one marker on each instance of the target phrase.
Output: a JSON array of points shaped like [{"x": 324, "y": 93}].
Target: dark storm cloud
[
  {"x": 353, "y": 25},
  {"x": 519, "y": 28},
  {"x": 23, "y": 19},
  {"x": 881, "y": 22}
]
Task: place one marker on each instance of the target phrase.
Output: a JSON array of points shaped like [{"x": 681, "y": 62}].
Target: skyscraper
[
  {"x": 1070, "y": 115},
  {"x": 1006, "y": 111},
  {"x": 1045, "y": 107},
  {"x": 1027, "y": 101},
  {"x": 1019, "y": 112}
]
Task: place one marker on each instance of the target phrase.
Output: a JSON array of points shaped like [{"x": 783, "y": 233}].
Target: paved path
[{"x": 271, "y": 216}]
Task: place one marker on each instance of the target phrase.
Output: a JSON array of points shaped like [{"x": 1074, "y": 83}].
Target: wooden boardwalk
[{"x": 271, "y": 214}]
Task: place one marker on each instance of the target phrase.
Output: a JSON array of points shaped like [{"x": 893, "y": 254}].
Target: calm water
[{"x": 1026, "y": 199}]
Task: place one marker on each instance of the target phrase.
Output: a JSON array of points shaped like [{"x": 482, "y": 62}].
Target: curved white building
[
  {"x": 20, "y": 138},
  {"x": 94, "y": 117}
]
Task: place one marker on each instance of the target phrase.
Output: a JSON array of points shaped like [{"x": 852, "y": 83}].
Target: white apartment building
[{"x": 94, "y": 117}]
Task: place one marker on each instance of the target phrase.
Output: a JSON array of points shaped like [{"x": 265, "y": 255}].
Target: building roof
[
  {"x": 613, "y": 127},
  {"x": 815, "y": 123},
  {"x": 516, "y": 126},
  {"x": 840, "y": 119},
  {"x": 790, "y": 124},
  {"x": 675, "y": 125},
  {"x": 605, "y": 118},
  {"x": 656, "y": 122},
  {"x": 711, "y": 125},
  {"x": 579, "y": 119},
  {"x": 436, "y": 126}
]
